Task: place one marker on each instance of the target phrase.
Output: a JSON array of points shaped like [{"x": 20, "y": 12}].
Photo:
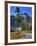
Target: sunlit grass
[{"x": 26, "y": 31}]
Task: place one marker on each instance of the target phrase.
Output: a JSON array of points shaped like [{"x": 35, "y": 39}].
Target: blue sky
[{"x": 23, "y": 10}]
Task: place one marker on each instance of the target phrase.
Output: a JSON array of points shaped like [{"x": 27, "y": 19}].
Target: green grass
[{"x": 26, "y": 31}]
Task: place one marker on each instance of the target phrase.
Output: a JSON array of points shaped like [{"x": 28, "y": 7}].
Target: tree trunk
[
  {"x": 17, "y": 28},
  {"x": 26, "y": 25}
]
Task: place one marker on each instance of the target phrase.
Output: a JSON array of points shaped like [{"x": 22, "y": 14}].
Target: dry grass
[
  {"x": 15, "y": 35},
  {"x": 18, "y": 35}
]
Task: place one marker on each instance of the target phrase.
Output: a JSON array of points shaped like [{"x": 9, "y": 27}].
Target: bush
[{"x": 23, "y": 27}]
